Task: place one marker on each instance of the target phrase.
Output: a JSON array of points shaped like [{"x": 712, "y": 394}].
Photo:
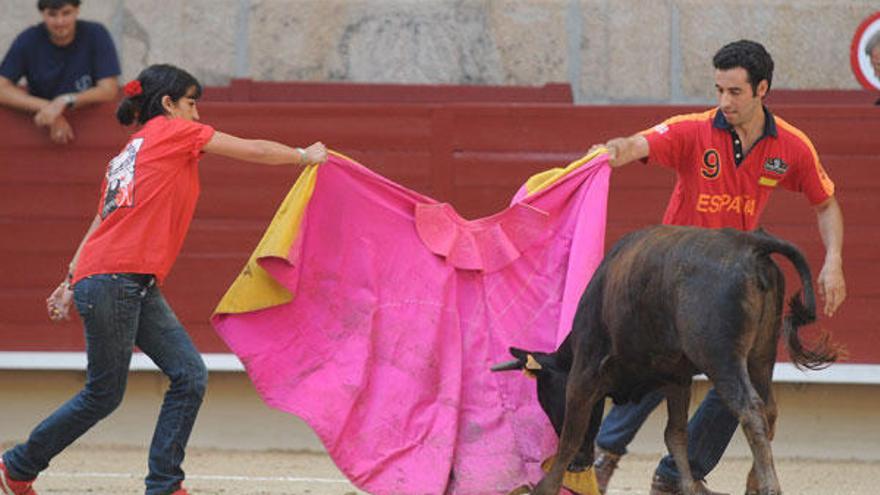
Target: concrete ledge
[
  {"x": 76, "y": 361},
  {"x": 853, "y": 374}
]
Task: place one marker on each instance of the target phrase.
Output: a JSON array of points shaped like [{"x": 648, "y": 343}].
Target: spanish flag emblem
[{"x": 767, "y": 181}]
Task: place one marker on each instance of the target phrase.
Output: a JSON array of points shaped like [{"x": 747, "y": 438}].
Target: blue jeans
[
  {"x": 120, "y": 311},
  {"x": 709, "y": 432}
]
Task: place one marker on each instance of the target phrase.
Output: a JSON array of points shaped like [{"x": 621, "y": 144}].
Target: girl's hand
[
  {"x": 58, "y": 304},
  {"x": 316, "y": 153}
]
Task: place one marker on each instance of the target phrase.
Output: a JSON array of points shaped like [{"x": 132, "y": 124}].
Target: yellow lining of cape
[
  {"x": 543, "y": 180},
  {"x": 254, "y": 288},
  {"x": 581, "y": 482}
]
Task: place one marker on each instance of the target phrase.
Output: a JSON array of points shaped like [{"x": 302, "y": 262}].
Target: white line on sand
[{"x": 281, "y": 479}]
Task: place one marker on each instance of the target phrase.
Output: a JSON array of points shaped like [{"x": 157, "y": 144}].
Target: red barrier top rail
[{"x": 247, "y": 90}]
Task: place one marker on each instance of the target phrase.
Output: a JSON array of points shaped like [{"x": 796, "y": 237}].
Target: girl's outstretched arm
[{"x": 263, "y": 151}]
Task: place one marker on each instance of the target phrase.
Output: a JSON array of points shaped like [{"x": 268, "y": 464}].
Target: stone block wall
[{"x": 611, "y": 51}]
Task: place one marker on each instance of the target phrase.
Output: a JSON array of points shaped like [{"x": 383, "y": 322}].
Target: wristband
[{"x": 302, "y": 155}]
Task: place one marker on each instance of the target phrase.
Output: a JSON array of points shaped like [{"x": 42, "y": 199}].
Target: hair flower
[{"x": 133, "y": 88}]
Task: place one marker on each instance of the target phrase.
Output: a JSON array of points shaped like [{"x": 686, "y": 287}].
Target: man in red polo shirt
[{"x": 727, "y": 161}]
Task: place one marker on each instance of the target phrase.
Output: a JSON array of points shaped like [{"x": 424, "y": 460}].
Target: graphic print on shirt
[
  {"x": 83, "y": 83},
  {"x": 776, "y": 165},
  {"x": 776, "y": 168},
  {"x": 120, "y": 179}
]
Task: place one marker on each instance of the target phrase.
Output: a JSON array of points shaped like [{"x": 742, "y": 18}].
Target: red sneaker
[{"x": 9, "y": 486}]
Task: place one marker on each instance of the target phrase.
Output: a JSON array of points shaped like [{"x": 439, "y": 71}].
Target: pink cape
[{"x": 393, "y": 310}]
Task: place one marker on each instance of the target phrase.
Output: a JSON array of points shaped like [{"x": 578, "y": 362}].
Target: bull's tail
[{"x": 801, "y": 311}]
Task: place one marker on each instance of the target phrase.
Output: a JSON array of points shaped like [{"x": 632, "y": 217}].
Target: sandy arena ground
[
  {"x": 270, "y": 452},
  {"x": 118, "y": 470}
]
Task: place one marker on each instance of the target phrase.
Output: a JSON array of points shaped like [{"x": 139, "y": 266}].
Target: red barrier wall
[
  {"x": 472, "y": 155},
  {"x": 822, "y": 97}
]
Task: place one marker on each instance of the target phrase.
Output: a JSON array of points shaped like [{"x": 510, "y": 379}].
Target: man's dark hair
[
  {"x": 749, "y": 55},
  {"x": 55, "y": 4},
  {"x": 156, "y": 81}
]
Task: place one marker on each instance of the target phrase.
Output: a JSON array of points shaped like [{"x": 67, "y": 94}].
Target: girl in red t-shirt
[{"x": 147, "y": 202}]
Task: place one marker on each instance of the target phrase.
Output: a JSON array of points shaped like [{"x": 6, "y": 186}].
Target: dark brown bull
[{"x": 668, "y": 303}]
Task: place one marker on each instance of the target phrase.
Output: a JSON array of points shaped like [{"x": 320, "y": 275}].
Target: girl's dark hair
[
  {"x": 749, "y": 55},
  {"x": 156, "y": 81},
  {"x": 55, "y": 4}
]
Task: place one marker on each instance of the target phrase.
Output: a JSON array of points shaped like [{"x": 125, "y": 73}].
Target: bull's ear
[
  {"x": 516, "y": 364},
  {"x": 518, "y": 353}
]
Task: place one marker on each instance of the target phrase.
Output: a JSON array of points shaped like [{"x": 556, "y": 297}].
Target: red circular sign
[{"x": 864, "y": 71}]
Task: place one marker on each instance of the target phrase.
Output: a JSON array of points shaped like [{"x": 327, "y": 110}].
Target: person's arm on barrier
[
  {"x": 60, "y": 131},
  {"x": 15, "y": 97},
  {"x": 59, "y": 302},
  {"x": 105, "y": 90},
  {"x": 263, "y": 151}
]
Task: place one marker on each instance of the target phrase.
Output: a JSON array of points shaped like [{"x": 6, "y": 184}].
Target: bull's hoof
[
  {"x": 579, "y": 463},
  {"x": 581, "y": 482},
  {"x": 768, "y": 492},
  {"x": 663, "y": 486},
  {"x": 521, "y": 490}
]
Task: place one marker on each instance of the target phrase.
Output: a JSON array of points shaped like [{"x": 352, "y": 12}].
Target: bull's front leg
[
  {"x": 677, "y": 399},
  {"x": 581, "y": 393}
]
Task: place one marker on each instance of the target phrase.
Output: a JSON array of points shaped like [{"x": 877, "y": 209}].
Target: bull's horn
[
  {"x": 532, "y": 364},
  {"x": 510, "y": 365}
]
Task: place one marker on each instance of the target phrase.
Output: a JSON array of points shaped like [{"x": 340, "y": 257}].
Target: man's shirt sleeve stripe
[{"x": 824, "y": 180}]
